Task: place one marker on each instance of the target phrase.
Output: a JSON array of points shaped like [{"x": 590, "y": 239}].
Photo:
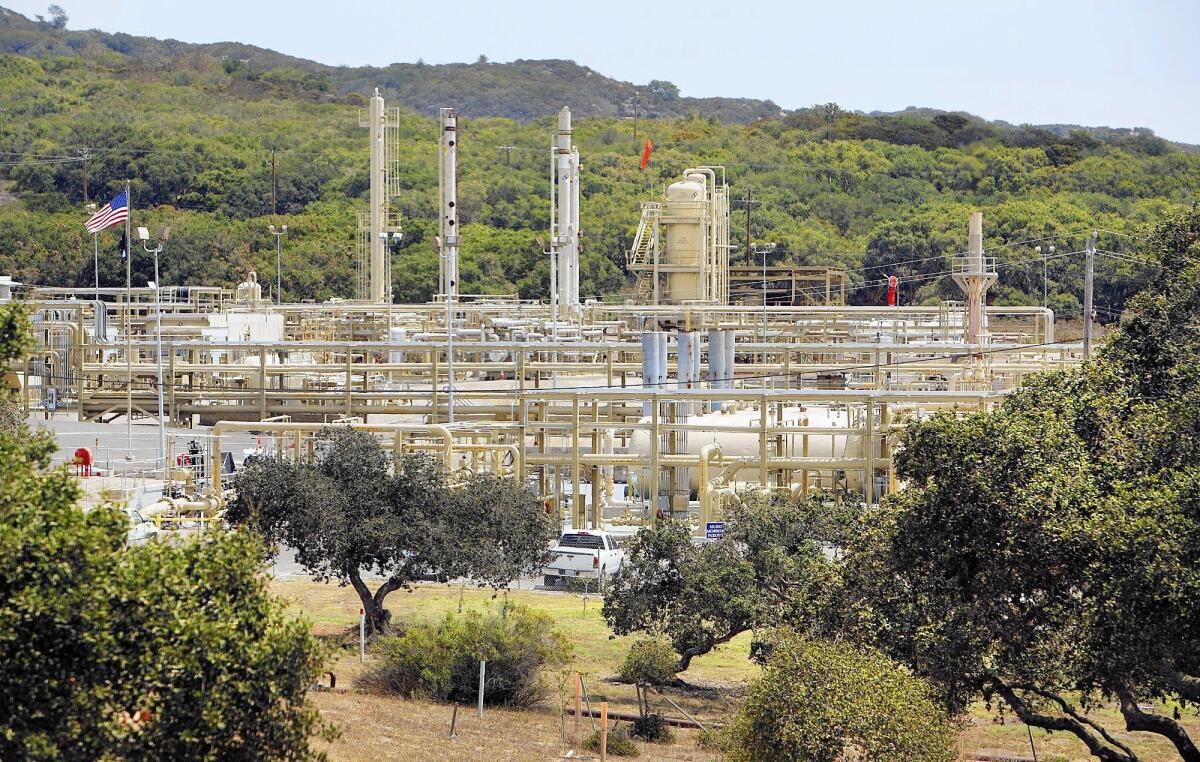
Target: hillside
[
  {"x": 875, "y": 194},
  {"x": 519, "y": 90}
]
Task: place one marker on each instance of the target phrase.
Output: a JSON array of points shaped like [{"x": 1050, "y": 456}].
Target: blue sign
[{"x": 714, "y": 530}]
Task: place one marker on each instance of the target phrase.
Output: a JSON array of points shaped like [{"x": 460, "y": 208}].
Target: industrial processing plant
[{"x": 703, "y": 382}]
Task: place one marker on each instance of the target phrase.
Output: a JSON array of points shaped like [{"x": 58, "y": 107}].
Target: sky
[{"x": 1130, "y": 63}]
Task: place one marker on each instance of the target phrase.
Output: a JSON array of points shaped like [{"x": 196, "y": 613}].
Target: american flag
[{"x": 114, "y": 213}]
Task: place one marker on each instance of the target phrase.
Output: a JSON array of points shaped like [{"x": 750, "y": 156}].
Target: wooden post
[
  {"x": 603, "y": 731},
  {"x": 578, "y": 707}
]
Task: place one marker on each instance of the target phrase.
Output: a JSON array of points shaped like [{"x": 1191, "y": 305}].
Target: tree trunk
[
  {"x": 1098, "y": 740},
  {"x": 377, "y": 618},
  {"x": 685, "y": 658},
  {"x": 1136, "y": 719}
]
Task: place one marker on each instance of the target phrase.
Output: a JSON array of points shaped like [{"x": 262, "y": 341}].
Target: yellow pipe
[
  {"x": 706, "y": 456},
  {"x": 221, "y": 427}
]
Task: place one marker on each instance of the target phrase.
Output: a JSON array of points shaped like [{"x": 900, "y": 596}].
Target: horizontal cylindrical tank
[{"x": 736, "y": 445}]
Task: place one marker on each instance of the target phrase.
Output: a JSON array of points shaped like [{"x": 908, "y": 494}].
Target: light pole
[
  {"x": 91, "y": 209},
  {"x": 764, "y": 251},
  {"x": 278, "y": 261},
  {"x": 1045, "y": 272},
  {"x": 163, "y": 235}
]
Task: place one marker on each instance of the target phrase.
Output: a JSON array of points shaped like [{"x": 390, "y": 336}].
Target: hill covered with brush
[{"x": 195, "y": 127}]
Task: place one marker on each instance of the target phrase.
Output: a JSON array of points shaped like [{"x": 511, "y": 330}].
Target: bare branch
[
  {"x": 1098, "y": 745},
  {"x": 1136, "y": 719}
]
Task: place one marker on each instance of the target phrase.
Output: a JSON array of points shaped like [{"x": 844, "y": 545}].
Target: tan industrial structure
[{"x": 670, "y": 404}]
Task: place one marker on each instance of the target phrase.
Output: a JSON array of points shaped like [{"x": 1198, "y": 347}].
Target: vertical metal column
[
  {"x": 649, "y": 367},
  {"x": 448, "y": 193},
  {"x": 448, "y": 187},
  {"x": 378, "y": 210},
  {"x": 716, "y": 364},
  {"x": 564, "y": 234}
]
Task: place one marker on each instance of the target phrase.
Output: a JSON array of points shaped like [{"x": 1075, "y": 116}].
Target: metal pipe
[{"x": 223, "y": 426}]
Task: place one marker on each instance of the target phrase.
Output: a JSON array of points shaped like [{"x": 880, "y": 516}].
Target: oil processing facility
[{"x": 707, "y": 381}]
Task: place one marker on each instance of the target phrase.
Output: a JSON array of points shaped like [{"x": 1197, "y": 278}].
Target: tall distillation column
[
  {"x": 974, "y": 274},
  {"x": 448, "y": 195},
  {"x": 564, "y": 213},
  {"x": 379, "y": 277}
]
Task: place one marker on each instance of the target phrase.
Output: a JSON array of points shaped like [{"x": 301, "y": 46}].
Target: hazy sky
[{"x": 1098, "y": 62}]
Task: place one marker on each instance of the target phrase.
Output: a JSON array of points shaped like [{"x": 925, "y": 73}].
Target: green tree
[
  {"x": 770, "y": 568},
  {"x": 15, "y": 340},
  {"x": 58, "y": 17},
  {"x": 1041, "y": 552},
  {"x": 152, "y": 652},
  {"x": 355, "y": 511}
]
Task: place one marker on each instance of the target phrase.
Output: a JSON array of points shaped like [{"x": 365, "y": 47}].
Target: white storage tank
[
  {"x": 686, "y": 245},
  {"x": 736, "y": 445}
]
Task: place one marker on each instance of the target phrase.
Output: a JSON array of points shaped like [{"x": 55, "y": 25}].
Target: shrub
[
  {"x": 441, "y": 660},
  {"x": 652, "y": 728},
  {"x": 619, "y": 743},
  {"x": 650, "y": 661},
  {"x": 818, "y": 701}
]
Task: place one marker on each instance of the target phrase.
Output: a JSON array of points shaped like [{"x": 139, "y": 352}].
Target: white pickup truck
[{"x": 581, "y": 554}]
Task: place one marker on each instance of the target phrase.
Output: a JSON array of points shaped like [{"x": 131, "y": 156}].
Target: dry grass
[{"x": 378, "y": 728}]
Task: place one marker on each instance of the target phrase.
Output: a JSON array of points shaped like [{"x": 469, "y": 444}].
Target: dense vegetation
[
  {"x": 828, "y": 701},
  {"x": 1042, "y": 554},
  {"x": 440, "y": 660},
  {"x": 162, "y": 651},
  {"x": 195, "y": 129},
  {"x": 359, "y": 510}
]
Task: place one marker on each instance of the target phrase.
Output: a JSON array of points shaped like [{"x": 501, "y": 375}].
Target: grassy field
[{"x": 384, "y": 728}]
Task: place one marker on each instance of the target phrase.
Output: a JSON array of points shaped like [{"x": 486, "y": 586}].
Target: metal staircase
[{"x": 642, "y": 255}]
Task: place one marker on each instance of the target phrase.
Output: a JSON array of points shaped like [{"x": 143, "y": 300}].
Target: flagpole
[{"x": 128, "y": 335}]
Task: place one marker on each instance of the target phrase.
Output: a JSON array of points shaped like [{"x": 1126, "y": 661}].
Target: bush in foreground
[
  {"x": 821, "y": 701},
  {"x": 652, "y": 728},
  {"x": 650, "y": 661},
  {"x": 618, "y": 744},
  {"x": 441, "y": 660}
]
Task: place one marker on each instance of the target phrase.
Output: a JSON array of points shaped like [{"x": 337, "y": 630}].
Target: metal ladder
[{"x": 640, "y": 257}]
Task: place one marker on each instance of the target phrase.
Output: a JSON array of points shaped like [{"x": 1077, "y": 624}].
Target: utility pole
[
  {"x": 1089, "y": 263},
  {"x": 749, "y": 203},
  {"x": 278, "y": 261},
  {"x": 1045, "y": 272},
  {"x": 86, "y": 157},
  {"x": 163, "y": 235}
]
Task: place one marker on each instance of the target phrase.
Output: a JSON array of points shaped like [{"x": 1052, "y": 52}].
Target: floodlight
[{"x": 143, "y": 234}]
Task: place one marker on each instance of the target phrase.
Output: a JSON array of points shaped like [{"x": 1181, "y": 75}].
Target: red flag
[
  {"x": 646, "y": 151},
  {"x": 893, "y": 282}
]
